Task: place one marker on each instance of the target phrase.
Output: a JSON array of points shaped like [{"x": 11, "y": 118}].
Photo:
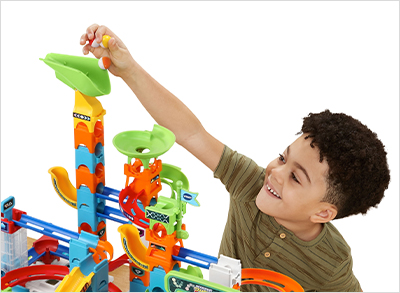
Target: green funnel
[
  {"x": 144, "y": 145},
  {"x": 81, "y": 73}
]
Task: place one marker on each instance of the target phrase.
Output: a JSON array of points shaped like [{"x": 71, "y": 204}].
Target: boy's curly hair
[{"x": 358, "y": 171}]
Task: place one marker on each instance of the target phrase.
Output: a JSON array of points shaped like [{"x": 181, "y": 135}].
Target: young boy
[{"x": 279, "y": 217}]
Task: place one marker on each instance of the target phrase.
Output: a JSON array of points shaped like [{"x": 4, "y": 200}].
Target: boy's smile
[{"x": 294, "y": 185}]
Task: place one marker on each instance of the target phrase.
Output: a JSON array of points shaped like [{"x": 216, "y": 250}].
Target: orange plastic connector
[
  {"x": 148, "y": 180},
  {"x": 100, "y": 227},
  {"x": 161, "y": 248},
  {"x": 89, "y": 139},
  {"x": 100, "y": 253},
  {"x": 270, "y": 279},
  {"x": 83, "y": 176}
]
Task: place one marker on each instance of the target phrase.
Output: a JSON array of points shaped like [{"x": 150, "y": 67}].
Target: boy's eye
[
  {"x": 294, "y": 178},
  {"x": 282, "y": 158}
]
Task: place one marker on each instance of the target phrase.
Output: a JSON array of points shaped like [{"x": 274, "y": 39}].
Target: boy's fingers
[
  {"x": 86, "y": 49},
  {"x": 97, "y": 52},
  {"x": 100, "y": 32},
  {"x": 91, "y": 30},
  {"x": 83, "y": 40}
]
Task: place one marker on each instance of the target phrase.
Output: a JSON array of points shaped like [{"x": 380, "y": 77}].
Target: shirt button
[
  {"x": 267, "y": 254},
  {"x": 283, "y": 235}
]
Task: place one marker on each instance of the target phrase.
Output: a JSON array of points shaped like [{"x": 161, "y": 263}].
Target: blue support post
[
  {"x": 88, "y": 204},
  {"x": 84, "y": 157}
]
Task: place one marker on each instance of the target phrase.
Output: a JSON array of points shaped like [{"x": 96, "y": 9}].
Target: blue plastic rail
[
  {"x": 107, "y": 197},
  {"x": 46, "y": 228},
  {"x": 184, "y": 253},
  {"x": 108, "y": 190},
  {"x": 62, "y": 251},
  {"x": 33, "y": 256},
  {"x": 108, "y": 211}
]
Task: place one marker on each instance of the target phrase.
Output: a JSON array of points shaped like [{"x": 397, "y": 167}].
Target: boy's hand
[{"x": 122, "y": 61}]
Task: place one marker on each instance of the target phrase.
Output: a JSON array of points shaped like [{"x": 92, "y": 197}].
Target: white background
[{"x": 250, "y": 71}]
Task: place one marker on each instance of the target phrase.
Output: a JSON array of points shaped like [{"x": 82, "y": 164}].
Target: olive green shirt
[{"x": 323, "y": 264}]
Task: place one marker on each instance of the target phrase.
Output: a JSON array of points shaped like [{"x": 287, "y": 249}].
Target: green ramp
[{"x": 81, "y": 73}]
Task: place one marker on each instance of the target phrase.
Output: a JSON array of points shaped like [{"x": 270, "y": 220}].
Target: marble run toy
[{"x": 152, "y": 234}]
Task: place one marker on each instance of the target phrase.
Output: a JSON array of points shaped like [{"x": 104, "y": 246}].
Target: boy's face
[{"x": 294, "y": 184}]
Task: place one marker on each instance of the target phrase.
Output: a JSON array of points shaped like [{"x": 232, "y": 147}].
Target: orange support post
[
  {"x": 89, "y": 139},
  {"x": 161, "y": 248},
  {"x": 83, "y": 176}
]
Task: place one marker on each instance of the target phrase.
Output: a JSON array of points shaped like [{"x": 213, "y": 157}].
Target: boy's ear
[{"x": 325, "y": 214}]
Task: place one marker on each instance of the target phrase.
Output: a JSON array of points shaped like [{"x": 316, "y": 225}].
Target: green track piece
[
  {"x": 170, "y": 175},
  {"x": 144, "y": 145},
  {"x": 164, "y": 212},
  {"x": 80, "y": 73}
]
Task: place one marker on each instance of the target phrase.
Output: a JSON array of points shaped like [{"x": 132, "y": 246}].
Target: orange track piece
[
  {"x": 163, "y": 257},
  {"x": 83, "y": 176},
  {"x": 89, "y": 139},
  {"x": 102, "y": 248},
  {"x": 266, "y": 277},
  {"x": 86, "y": 227},
  {"x": 148, "y": 180}
]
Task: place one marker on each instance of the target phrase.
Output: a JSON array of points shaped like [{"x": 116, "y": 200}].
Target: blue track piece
[
  {"x": 184, "y": 253},
  {"x": 106, "y": 197},
  {"x": 84, "y": 157},
  {"x": 33, "y": 256},
  {"x": 108, "y": 190},
  {"x": 88, "y": 204},
  {"x": 48, "y": 229},
  {"x": 109, "y": 211},
  {"x": 62, "y": 251}
]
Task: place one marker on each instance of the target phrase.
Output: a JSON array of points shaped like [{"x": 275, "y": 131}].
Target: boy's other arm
[
  {"x": 173, "y": 114},
  {"x": 166, "y": 109}
]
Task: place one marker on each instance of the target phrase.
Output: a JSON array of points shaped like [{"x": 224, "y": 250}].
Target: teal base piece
[
  {"x": 136, "y": 285},
  {"x": 157, "y": 280},
  {"x": 100, "y": 278}
]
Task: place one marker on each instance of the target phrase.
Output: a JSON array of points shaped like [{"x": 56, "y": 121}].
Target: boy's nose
[{"x": 277, "y": 174}]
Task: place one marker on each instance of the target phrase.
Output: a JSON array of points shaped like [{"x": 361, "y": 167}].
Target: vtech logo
[{"x": 187, "y": 196}]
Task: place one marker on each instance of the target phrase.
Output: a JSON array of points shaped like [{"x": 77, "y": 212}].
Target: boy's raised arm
[{"x": 166, "y": 109}]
